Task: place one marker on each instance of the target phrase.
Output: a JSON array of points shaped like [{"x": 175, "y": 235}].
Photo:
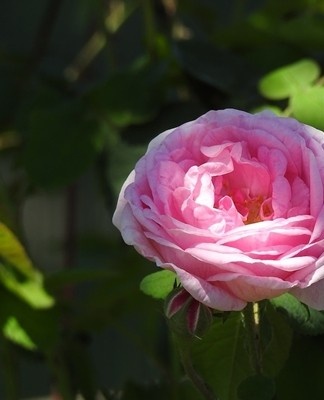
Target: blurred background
[{"x": 84, "y": 86}]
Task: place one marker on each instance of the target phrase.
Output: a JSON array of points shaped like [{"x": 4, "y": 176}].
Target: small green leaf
[
  {"x": 308, "y": 105},
  {"x": 257, "y": 387},
  {"x": 13, "y": 253},
  {"x": 159, "y": 284},
  {"x": 292, "y": 307},
  {"x": 285, "y": 81},
  {"x": 13, "y": 331},
  {"x": 315, "y": 323},
  {"x": 26, "y": 325},
  {"x": 301, "y": 317},
  {"x": 17, "y": 272},
  {"x": 31, "y": 291}
]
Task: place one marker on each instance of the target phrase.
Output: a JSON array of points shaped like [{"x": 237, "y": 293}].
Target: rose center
[
  {"x": 252, "y": 208},
  {"x": 257, "y": 210}
]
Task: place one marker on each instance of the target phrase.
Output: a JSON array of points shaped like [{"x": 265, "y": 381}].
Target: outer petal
[
  {"x": 212, "y": 296},
  {"x": 211, "y": 254},
  {"x": 313, "y": 295},
  {"x": 254, "y": 288},
  {"x": 122, "y": 202},
  {"x": 318, "y": 231}
]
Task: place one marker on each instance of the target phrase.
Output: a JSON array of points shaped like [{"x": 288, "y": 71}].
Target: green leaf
[
  {"x": 315, "y": 323},
  {"x": 63, "y": 140},
  {"x": 31, "y": 291},
  {"x": 301, "y": 317},
  {"x": 221, "y": 357},
  {"x": 13, "y": 253},
  {"x": 307, "y": 106},
  {"x": 28, "y": 326},
  {"x": 159, "y": 284},
  {"x": 257, "y": 387},
  {"x": 18, "y": 274},
  {"x": 13, "y": 331},
  {"x": 285, "y": 81},
  {"x": 292, "y": 308}
]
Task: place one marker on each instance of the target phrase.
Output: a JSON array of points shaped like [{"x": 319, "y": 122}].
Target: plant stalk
[
  {"x": 250, "y": 316},
  {"x": 194, "y": 377}
]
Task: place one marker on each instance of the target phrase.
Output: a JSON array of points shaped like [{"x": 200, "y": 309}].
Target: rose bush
[{"x": 233, "y": 204}]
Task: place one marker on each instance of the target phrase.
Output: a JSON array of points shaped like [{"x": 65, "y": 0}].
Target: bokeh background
[{"x": 84, "y": 86}]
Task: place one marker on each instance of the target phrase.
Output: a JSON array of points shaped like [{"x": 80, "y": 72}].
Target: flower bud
[
  {"x": 187, "y": 316},
  {"x": 175, "y": 301}
]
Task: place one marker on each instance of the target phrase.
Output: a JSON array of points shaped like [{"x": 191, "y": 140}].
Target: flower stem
[
  {"x": 250, "y": 316},
  {"x": 194, "y": 377}
]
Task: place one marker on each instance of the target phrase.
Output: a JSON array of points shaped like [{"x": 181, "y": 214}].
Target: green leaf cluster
[
  {"x": 222, "y": 355},
  {"x": 27, "y": 308},
  {"x": 18, "y": 275},
  {"x": 304, "y": 319},
  {"x": 301, "y": 84}
]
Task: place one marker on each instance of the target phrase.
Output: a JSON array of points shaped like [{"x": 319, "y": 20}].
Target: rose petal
[
  {"x": 313, "y": 295},
  {"x": 212, "y": 296},
  {"x": 253, "y": 288}
]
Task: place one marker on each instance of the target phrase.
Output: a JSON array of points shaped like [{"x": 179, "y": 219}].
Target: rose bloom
[{"x": 233, "y": 204}]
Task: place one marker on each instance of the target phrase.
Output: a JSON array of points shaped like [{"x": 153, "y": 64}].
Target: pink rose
[{"x": 233, "y": 204}]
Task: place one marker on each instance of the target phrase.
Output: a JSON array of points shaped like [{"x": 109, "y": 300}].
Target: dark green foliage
[
  {"x": 257, "y": 387},
  {"x": 60, "y": 145},
  {"x": 300, "y": 316},
  {"x": 306, "y": 364}
]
